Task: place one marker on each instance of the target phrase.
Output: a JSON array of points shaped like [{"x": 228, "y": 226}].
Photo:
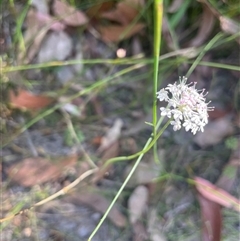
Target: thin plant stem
[
  {"x": 18, "y": 38},
  {"x": 200, "y": 56},
  {"x": 158, "y": 15},
  {"x": 218, "y": 65},
  {"x": 80, "y": 93},
  {"x": 75, "y": 136},
  {"x": 146, "y": 148},
  {"x": 62, "y": 192}
]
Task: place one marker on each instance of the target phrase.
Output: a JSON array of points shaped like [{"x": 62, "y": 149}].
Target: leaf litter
[{"x": 123, "y": 14}]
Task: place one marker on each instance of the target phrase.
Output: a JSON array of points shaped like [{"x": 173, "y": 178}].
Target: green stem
[
  {"x": 150, "y": 142},
  {"x": 168, "y": 176},
  {"x": 158, "y": 15},
  {"x": 145, "y": 149},
  {"x": 80, "y": 93},
  {"x": 200, "y": 56}
]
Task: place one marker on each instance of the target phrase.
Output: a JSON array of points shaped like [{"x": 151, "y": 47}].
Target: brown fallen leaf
[
  {"x": 115, "y": 33},
  {"x": 111, "y": 152},
  {"x": 137, "y": 203},
  {"x": 139, "y": 232},
  {"x": 125, "y": 11},
  {"x": 37, "y": 170},
  {"x": 229, "y": 26},
  {"x": 68, "y": 14},
  {"x": 211, "y": 219},
  {"x": 215, "y": 194},
  {"x": 38, "y": 25},
  {"x": 111, "y": 136},
  {"x": 98, "y": 203},
  {"x": 206, "y": 26},
  {"x": 95, "y": 11},
  {"x": 27, "y": 101}
]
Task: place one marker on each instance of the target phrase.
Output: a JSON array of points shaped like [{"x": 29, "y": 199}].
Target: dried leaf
[
  {"x": 69, "y": 14},
  {"x": 111, "y": 136},
  {"x": 57, "y": 46},
  {"x": 137, "y": 203},
  {"x": 37, "y": 170},
  {"x": 140, "y": 232},
  {"x": 115, "y": 33},
  {"x": 111, "y": 152},
  {"x": 228, "y": 25},
  {"x": 214, "y": 132},
  {"x": 211, "y": 219},
  {"x": 206, "y": 26},
  {"x": 98, "y": 8},
  {"x": 125, "y": 11},
  {"x": 97, "y": 106},
  {"x": 215, "y": 194},
  {"x": 38, "y": 25},
  {"x": 100, "y": 204},
  {"x": 25, "y": 100}
]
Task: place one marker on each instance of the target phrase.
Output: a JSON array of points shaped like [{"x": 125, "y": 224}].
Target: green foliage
[{"x": 231, "y": 143}]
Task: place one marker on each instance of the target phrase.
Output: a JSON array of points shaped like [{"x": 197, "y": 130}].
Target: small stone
[
  {"x": 83, "y": 231},
  {"x": 96, "y": 216}
]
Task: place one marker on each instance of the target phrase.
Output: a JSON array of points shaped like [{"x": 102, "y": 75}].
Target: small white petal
[{"x": 188, "y": 106}]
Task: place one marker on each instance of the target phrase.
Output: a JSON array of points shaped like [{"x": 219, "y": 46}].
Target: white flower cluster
[{"x": 186, "y": 106}]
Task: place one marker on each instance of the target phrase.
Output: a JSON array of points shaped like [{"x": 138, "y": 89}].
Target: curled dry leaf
[
  {"x": 229, "y": 26},
  {"x": 38, "y": 25},
  {"x": 214, "y": 132},
  {"x": 100, "y": 204},
  {"x": 115, "y": 33},
  {"x": 37, "y": 170},
  {"x": 211, "y": 219},
  {"x": 27, "y": 101},
  {"x": 137, "y": 203},
  {"x": 97, "y": 9},
  {"x": 206, "y": 26},
  {"x": 125, "y": 11},
  {"x": 215, "y": 194},
  {"x": 69, "y": 14},
  {"x": 111, "y": 136}
]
